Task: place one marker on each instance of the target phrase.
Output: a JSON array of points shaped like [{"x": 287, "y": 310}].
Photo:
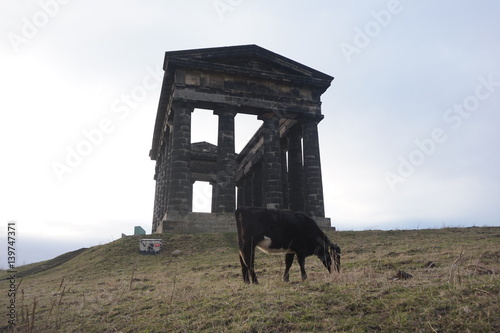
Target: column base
[
  {"x": 193, "y": 223},
  {"x": 324, "y": 223}
]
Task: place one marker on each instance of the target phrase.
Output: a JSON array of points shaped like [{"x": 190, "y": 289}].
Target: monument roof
[
  {"x": 250, "y": 61},
  {"x": 252, "y": 58}
]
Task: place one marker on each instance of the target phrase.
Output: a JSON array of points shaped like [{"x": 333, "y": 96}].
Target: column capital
[
  {"x": 176, "y": 105},
  {"x": 295, "y": 130},
  {"x": 269, "y": 115},
  {"x": 179, "y": 103},
  {"x": 310, "y": 118},
  {"x": 225, "y": 111}
]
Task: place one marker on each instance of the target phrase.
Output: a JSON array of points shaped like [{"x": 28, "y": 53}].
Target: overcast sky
[{"x": 410, "y": 137}]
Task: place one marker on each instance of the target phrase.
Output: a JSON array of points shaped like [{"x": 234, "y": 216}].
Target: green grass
[{"x": 113, "y": 288}]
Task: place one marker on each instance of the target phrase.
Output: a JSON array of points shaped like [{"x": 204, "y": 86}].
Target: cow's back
[
  {"x": 250, "y": 220},
  {"x": 283, "y": 226}
]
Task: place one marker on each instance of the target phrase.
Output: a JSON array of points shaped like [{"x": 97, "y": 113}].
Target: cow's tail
[
  {"x": 239, "y": 225},
  {"x": 238, "y": 214}
]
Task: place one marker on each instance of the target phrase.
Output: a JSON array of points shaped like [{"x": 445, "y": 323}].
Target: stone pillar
[
  {"x": 168, "y": 162},
  {"x": 312, "y": 169},
  {"x": 257, "y": 187},
  {"x": 225, "y": 189},
  {"x": 295, "y": 170},
  {"x": 284, "y": 172},
  {"x": 248, "y": 190},
  {"x": 161, "y": 176},
  {"x": 156, "y": 209},
  {"x": 180, "y": 187},
  {"x": 272, "y": 183},
  {"x": 213, "y": 208},
  {"x": 165, "y": 150},
  {"x": 240, "y": 190}
]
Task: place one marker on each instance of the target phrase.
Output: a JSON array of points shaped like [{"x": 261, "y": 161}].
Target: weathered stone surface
[
  {"x": 180, "y": 187},
  {"x": 271, "y": 163},
  {"x": 189, "y": 222},
  {"x": 312, "y": 170},
  {"x": 225, "y": 186}
]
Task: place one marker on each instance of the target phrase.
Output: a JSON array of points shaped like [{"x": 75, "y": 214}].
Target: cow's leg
[
  {"x": 302, "y": 260},
  {"x": 252, "y": 266},
  {"x": 288, "y": 264}
]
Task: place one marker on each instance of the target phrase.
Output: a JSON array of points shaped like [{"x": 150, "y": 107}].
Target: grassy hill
[{"x": 113, "y": 288}]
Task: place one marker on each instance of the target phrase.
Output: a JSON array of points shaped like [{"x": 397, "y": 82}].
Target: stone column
[
  {"x": 312, "y": 169},
  {"x": 168, "y": 159},
  {"x": 248, "y": 190},
  {"x": 165, "y": 148},
  {"x": 180, "y": 187},
  {"x": 272, "y": 183},
  {"x": 156, "y": 209},
  {"x": 240, "y": 190},
  {"x": 161, "y": 177},
  {"x": 213, "y": 208},
  {"x": 257, "y": 186},
  {"x": 295, "y": 170},
  {"x": 284, "y": 172},
  {"x": 225, "y": 190}
]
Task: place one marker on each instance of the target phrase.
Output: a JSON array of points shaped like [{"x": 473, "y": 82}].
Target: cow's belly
[{"x": 265, "y": 246}]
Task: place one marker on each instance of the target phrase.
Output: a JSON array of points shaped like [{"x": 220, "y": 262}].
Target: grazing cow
[{"x": 281, "y": 231}]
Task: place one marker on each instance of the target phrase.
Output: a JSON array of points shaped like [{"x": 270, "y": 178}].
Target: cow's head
[
  {"x": 329, "y": 254},
  {"x": 335, "y": 256}
]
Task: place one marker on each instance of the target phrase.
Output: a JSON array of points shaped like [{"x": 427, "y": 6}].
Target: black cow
[{"x": 282, "y": 231}]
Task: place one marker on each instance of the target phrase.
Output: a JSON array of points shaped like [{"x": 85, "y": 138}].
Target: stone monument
[{"x": 278, "y": 168}]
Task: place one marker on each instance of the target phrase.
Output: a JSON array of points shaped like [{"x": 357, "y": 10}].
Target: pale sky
[{"x": 410, "y": 137}]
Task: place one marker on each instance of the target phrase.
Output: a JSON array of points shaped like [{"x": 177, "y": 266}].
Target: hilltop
[{"x": 454, "y": 286}]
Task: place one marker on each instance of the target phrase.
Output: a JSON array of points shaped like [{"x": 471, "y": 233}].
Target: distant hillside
[
  {"x": 454, "y": 286},
  {"x": 46, "y": 265}
]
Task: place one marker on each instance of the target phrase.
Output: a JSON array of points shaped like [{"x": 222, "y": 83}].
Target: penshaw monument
[{"x": 280, "y": 165}]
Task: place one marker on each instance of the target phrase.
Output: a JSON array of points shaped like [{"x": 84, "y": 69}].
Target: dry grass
[{"x": 113, "y": 288}]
